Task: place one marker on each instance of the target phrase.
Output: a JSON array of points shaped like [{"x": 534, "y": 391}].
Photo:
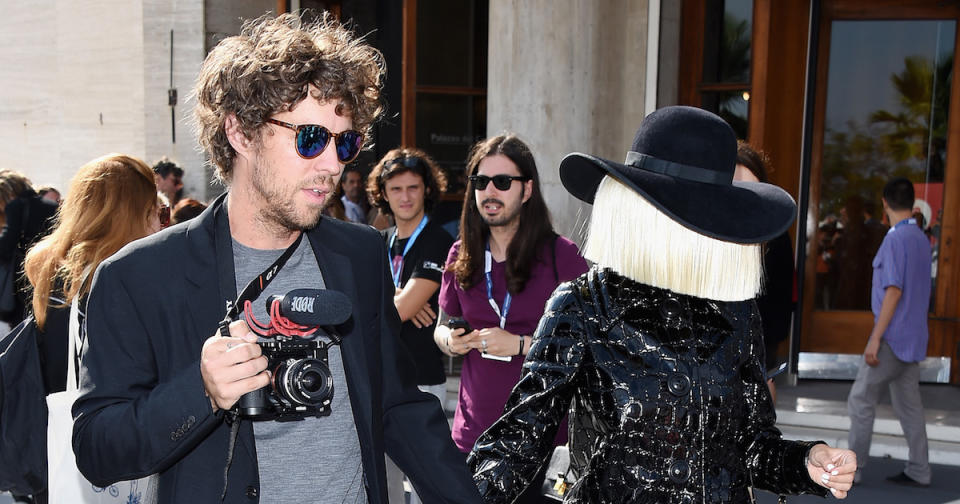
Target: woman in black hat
[{"x": 659, "y": 346}]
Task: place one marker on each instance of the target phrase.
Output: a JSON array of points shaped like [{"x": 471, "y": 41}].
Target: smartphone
[
  {"x": 463, "y": 324},
  {"x": 459, "y": 324}
]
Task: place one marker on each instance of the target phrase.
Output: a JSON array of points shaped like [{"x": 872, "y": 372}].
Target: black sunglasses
[
  {"x": 313, "y": 138},
  {"x": 501, "y": 182}
]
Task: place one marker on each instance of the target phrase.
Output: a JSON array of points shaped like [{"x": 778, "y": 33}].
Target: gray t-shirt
[{"x": 315, "y": 460}]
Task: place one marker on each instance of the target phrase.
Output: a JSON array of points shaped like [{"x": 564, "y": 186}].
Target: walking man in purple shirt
[{"x": 900, "y": 297}]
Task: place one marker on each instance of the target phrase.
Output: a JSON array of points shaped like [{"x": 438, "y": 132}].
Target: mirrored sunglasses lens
[
  {"x": 348, "y": 145},
  {"x": 311, "y": 140}
]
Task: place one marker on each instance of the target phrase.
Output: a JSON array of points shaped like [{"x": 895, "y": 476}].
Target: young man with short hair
[
  {"x": 900, "y": 296},
  {"x": 354, "y": 198},
  {"x": 169, "y": 178}
]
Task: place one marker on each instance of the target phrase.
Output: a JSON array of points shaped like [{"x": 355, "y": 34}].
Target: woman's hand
[
  {"x": 453, "y": 342},
  {"x": 460, "y": 341},
  {"x": 832, "y": 468},
  {"x": 496, "y": 341}
]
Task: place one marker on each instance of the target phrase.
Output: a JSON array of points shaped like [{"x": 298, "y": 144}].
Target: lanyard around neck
[
  {"x": 487, "y": 266},
  {"x": 256, "y": 286},
  {"x": 395, "y": 272}
]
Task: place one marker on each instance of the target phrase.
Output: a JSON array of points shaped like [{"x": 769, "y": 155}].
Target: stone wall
[
  {"x": 567, "y": 75},
  {"x": 83, "y": 78}
]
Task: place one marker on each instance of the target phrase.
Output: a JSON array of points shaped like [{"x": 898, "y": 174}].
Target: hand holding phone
[{"x": 459, "y": 324}]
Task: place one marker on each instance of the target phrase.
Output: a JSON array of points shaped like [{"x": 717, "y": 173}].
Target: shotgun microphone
[{"x": 313, "y": 307}]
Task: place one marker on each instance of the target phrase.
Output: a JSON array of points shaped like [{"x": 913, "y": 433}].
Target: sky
[{"x": 863, "y": 56}]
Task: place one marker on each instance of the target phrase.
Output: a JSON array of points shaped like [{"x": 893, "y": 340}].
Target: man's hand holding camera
[{"x": 232, "y": 366}]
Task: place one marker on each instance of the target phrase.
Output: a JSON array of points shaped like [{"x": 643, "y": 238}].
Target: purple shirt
[
  {"x": 485, "y": 384},
  {"x": 903, "y": 261}
]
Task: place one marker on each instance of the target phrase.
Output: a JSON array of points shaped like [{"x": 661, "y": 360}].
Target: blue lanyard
[
  {"x": 487, "y": 265},
  {"x": 413, "y": 237}
]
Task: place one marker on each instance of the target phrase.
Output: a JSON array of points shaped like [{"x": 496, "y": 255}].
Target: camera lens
[
  {"x": 311, "y": 381},
  {"x": 306, "y": 382}
]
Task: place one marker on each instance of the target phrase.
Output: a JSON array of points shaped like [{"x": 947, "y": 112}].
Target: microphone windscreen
[{"x": 314, "y": 307}]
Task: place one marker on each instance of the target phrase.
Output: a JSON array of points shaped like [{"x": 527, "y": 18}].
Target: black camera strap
[
  {"x": 252, "y": 291},
  {"x": 255, "y": 288}
]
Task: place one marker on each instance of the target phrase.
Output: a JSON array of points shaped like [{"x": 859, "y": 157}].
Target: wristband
[{"x": 520, "y": 352}]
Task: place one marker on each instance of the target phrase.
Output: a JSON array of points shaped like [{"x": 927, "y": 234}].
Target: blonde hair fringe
[{"x": 632, "y": 237}]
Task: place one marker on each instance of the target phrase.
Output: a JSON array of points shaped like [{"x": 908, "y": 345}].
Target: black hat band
[{"x": 678, "y": 170}]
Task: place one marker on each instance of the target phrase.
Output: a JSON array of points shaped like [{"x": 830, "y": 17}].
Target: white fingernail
[
  {"x": 833, "y": 490},
  {"x": 825, "y": 477},
  {"x": 835, "y": 473},
  {"x": 830, "y": 467}
]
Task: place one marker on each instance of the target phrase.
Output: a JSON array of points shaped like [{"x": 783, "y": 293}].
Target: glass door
[{"x": 883, "y": 107}]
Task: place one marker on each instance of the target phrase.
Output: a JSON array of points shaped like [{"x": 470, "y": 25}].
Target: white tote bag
[{"x": 65, "y": 483}]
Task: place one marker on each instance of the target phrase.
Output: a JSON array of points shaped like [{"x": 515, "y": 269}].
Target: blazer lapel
[
  {"x": 209, "y": 268},
  {"x": 339, "y": 274}
]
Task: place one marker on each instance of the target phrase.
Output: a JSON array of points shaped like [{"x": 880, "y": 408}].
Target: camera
[{"x": 301, "y": 386}]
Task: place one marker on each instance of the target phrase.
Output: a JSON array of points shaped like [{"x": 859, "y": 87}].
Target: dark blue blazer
[{"x": 143, "y": 409}]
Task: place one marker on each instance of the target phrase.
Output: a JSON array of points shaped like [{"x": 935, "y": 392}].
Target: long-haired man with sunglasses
[
  {"x": 407, "y": 184},
  {"x": 498, "y": 276},
  {"x": 281, "y": 109}
]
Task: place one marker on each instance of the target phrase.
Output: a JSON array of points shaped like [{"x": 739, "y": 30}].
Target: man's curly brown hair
[
  {"x": 434, "y": 180},
  {"x": 270, "y": 67}
]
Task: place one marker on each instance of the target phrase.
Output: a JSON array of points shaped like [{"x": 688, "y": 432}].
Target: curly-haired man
[
  {"x": 408, "y": 184},
  {"x": 281, "y": 109}
]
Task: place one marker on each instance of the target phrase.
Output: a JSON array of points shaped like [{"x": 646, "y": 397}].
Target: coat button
[
  {"x": 252, "y": 492},
  {"x": 634, "y": 411},
  {"x": 678, "y": 384},
  {"x": 670, "y": 309},
  {"x": 679, "y": 471}
]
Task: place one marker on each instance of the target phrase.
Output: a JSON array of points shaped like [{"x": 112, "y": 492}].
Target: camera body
[{"x": 301, "y": 386}]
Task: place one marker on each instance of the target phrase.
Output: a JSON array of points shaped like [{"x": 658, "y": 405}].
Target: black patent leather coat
[{"x": 666, "y": 395}]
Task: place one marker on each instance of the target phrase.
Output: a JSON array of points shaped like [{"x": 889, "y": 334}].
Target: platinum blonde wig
[{"x": 632, "y": 237}]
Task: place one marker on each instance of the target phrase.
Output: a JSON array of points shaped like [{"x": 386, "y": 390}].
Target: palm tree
[{"x": 918, "y": 130}]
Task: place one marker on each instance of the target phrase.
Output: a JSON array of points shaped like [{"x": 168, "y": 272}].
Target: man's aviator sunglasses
[
  {"x": 312, "y": 139},
  {"x": 501, "y": 182}
]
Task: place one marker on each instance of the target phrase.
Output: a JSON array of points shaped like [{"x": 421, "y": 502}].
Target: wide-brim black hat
[{"x": 682, "y": 161}]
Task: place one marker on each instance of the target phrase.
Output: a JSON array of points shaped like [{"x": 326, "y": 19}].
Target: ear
[
  {"x": 527, "y": 190},
  {"x": 238, "y": 140}
]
